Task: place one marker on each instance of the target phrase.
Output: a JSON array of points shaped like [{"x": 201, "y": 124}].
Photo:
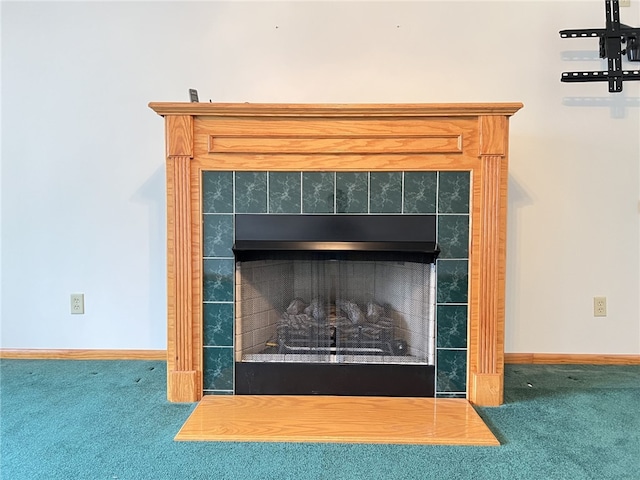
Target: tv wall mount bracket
[{"x": 616, "y": 40}]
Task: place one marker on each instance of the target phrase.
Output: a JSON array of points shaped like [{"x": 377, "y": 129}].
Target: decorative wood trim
[
  {"x": 337, "y": 163},
  {"x": 303, "y": 137},
  {"x": 181, "y": 265},
  {"x": 183, "y": 386},
  {"x": 182, "y": 345},
  {"x": 42, "y": 354},
  {"x": 488, "y": 388},
  {"x": 571, "y": 358},
  {"x": 338, "y": 110},
  {"x": 491, "y": 264},
  {"x": 493, "y": 135},
  {"x": 180, "y": 136},
  {"x": 336, "y": 145},
  {"x": 322, "y": 143},
  {"x": 488, "y": 265}
]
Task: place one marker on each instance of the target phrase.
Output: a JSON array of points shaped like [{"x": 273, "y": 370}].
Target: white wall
[{"x": 82, "y": 155}]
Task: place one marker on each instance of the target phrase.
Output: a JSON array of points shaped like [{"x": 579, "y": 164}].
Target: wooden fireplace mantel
[{"x": 337, "y": 137}]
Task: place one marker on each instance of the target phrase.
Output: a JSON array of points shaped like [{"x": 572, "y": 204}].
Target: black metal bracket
[{"x": 612, "y": 39}]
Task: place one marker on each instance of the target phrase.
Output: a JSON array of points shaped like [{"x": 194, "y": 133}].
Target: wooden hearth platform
[{"x": 324, "y": 419}]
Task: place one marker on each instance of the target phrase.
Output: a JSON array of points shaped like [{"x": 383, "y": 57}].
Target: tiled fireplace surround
[
  {"x": 444, "y": 159},
  {"x": 445, "y": 194}
]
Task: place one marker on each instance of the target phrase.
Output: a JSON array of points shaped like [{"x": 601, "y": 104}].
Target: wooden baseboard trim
[
  {"x": 513, "y": 358},
  {"x": 571, "y": 358},
  {"x": 41, "y": 354}
]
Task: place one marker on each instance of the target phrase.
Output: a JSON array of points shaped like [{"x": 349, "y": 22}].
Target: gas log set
[{"x": 340, "y": 327}]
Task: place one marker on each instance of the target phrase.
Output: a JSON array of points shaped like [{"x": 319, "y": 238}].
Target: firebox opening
[
  {"x": 352, "y": 307},
  {"x": 335, "y": 311}
]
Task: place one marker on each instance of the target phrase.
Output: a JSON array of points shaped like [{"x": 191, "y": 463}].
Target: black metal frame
[
  {"x": 383, "y": 380},
  {"x": 336, "y": 237},
  {"x": 396, "y": 237},
  {"x": 611, "y": 38}
]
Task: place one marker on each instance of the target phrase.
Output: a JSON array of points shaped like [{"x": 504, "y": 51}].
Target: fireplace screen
[{"x": 335, "y": 310}]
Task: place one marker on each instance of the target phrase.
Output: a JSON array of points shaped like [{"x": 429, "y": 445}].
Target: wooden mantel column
[
  {"x": 183, "y": 351},
  {"x": 487, "y": 333}
]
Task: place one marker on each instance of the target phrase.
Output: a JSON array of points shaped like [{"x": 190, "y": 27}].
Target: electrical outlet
[
  {"x": 77, "y": 303},
  {"x": 625, "y": 3},
  {"x": 599, "y": 306}
]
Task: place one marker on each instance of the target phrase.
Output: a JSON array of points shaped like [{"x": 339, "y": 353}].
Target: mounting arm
[{"x": 612, "y": 38}]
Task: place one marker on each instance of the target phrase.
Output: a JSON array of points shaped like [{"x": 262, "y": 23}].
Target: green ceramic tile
[
  {"x": 217, "y": 236},
  {"x": 453, "y": 192},
  {"x": 453, "y": 281},
  {"x": 218, "y": 324},
  {"x": 453, "y": 236},
  {"x": 352, "y": 192},
  {"x": 218, "y": 280},
  {"x": 420, "y": 189},
  {"x": 218, "y": 368},
  {"x": 385, "y": 192},
  {"x": 217, "y": 192},
  {"x": 452, "y": 326},
  {"x": 251, "y": 192},
  {"x": 452, "y": 371},
  {"x": 317, "y": 192},
  {"x": 284, "y": 192}
]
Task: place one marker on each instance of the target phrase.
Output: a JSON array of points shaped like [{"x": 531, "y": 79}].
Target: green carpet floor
[{"x": 110, "y": 420}]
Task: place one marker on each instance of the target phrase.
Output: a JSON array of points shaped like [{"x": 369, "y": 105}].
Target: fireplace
[
  {"x": 335, "y": 304},
  {"x": 225, "y": 161}
]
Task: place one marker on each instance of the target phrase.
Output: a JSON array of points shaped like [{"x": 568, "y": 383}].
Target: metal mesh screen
[{"x": 335, "y": 311}]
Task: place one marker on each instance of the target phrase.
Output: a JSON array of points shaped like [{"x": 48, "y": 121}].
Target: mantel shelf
[{"x": 334, "y": 110}]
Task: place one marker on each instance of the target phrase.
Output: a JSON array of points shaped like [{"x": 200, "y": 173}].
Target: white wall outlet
[
  {"x": 77, "y": 303},
  {"x": 625, "y": 3},
  {"x": 599, "y": 306}
]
